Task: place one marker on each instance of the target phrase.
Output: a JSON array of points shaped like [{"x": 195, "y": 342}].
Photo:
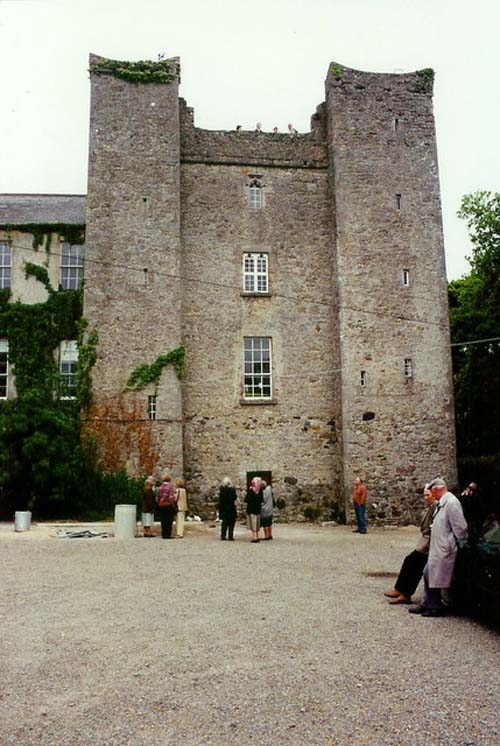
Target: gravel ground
[{"x": 199, "y": 642}]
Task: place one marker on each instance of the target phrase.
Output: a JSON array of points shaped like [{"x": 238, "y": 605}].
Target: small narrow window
[
  {"x": 408, "y": 367},
  {"x": 5, "y": 264},
  {"x": 395, "y": 124},
  {"x": 255, "y": 273},
  {"x": 152, "y": 407},
  {"x": 257, "y": 368},
  {"x": 363, "y": 378},
  {"x": 68, "y": 363},
  {"x": 72, "y": 258},
  {"x": 4, "y": 368},
  {"x": 255, "y": 194},
  {"x": 405, "y": 277},
  {"x": 399, "y": 201}
]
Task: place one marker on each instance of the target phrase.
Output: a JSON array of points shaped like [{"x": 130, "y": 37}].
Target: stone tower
[
  {"x": 397, "y": 408},
  {"x": 133, "y": 260}
]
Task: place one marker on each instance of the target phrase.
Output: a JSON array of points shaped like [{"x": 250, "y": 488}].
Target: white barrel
[
  {"x": 22, "y": 520},
  {"x": 125, "y": 521}
]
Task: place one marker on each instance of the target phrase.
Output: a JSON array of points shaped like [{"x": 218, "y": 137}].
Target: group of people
[
  {"x": 171, "y": 504},
  {"x": 443, "y": 529},
  {"x": 169, "y": 501}
]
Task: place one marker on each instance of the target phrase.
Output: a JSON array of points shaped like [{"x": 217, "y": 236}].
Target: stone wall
[
  {"x": 382, "y": 144},
  {"x": 132, "y": 283}
]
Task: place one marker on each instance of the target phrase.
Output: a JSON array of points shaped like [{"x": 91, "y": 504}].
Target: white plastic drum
[
  {"x": 125, "y": 521},
  {"x": 22, "y": 520}
]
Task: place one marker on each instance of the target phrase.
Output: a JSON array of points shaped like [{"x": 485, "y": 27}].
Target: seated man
[{"x": 448, "y": 528}]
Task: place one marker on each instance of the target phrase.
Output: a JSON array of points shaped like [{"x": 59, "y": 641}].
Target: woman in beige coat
[{"x": 182, "y": 506}]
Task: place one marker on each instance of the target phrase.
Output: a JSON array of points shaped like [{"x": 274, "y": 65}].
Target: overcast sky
[{"x": 243, "y": 62}]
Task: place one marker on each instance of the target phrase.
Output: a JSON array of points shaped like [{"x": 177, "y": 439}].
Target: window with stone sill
[
  {"x": 5, "y": 264},
  {"x": 72, "y": 261},
  {"x": 68, "y": 363},
  {"x": 255, "y": 273},
  {"x": 257, "y": 372},
  {"x": 4, "y": 368},
  {"x": 255, "y": 195}
]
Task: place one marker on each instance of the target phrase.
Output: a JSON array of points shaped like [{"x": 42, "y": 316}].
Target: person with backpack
[{"x": 166, "y": 499}]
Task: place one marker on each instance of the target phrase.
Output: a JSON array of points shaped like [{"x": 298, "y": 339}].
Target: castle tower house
[
  {"x": 132, "y": 284},
  {"x": 397, "y": 408}
]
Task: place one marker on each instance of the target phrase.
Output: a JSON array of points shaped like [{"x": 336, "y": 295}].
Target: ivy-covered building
[{"x": 265, "y": 302}]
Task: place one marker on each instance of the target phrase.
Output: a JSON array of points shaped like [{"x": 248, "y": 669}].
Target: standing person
[
  {"x": 227, "y": 509},
  {"x": 359, "y": 496},
  {"x": 253, "y": 501},
  {"x": 414, "y": 563},
  {"x": 447, "y": 529},
  {"x": 148, "y": 507},
  {"x": 167, "y": 501},
  {"x": 266, "y": 511},
  {"x": 182, "y": 507}
]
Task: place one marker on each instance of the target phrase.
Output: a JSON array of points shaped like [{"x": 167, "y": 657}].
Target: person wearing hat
[{"x": 448, "y": 529}]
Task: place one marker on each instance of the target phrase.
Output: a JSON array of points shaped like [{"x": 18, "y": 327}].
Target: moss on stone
[{"x": 143, "y": 71}]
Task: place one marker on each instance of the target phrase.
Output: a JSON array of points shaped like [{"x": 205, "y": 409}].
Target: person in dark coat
[
  {"x": 148, "y": 507},
  {"x": 253, "y": 500},
  {"x": 227, "y": 509},
  {"x": 414, "y": 563}
]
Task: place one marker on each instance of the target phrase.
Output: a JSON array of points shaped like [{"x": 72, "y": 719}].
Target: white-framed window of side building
[
  {"x": 257, "y": 368},
  {"x": 4, "y": 368},
  {"x": 5, "y": 264},
  {"x": 68, "y": 363},
  {"x": 72, "y": 261},
  {"x": 255, "y": 273}
]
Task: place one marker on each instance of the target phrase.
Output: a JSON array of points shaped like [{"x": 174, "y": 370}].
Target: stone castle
[{"x": 297, "y": 279}]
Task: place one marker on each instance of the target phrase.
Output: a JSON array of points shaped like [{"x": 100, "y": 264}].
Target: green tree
[{"x": 475, "y": 315}]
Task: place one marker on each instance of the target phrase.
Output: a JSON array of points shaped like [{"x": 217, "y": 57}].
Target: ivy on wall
[
  {"x": 144, "y": 374},
  {"x": 425, "y": 80},
  {"x": 143, "y": 71},
  {"x": 73, "y": 234}
]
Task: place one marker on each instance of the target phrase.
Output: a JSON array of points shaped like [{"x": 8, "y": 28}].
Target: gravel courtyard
[{"x": 204, "y": 643}]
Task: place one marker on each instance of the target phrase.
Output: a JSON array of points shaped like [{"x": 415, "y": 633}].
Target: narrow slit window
[
  {"x": 408, "y": 367},
  {"x": 152, "y": 407},
  {"x": 399, "y": 201},
  {"x": 363, "y": 378},
  {"x": 405, "y": 277}
]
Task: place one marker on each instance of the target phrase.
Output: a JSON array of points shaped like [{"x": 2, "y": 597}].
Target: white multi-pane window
[
  {"x": 152, "y": 407},
  {"x": 258, "y": 368},
  {"x": 408, "y": 367},
  {"x": 5, "y": 264},
  {"x": 255, "y": 195},
  {"x": 255, "y": 273},
  {"x": 72, "y": 259},
  {"x": 4, "y": 368},
  {"x": 68, "y": 362}
]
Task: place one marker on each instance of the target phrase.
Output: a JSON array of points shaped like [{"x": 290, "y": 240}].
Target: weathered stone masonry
[{"x": 346, "y": 209}]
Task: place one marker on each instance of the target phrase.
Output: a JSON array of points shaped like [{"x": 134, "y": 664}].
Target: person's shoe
[
  {"x": 255, "y": 541},
  {"x": 223, "y": 538},
  {"x": 417, "y": 609},
  {"x": 434, "y": 612},
  {"x": 400, "y": 600},
  {"x": 356, "y": 531},
  {"x": 231, "y": 539},
  {"x": 392, "y": 594}
]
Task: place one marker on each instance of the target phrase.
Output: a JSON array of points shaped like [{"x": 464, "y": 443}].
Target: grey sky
[{"x": 244, "y": 62}]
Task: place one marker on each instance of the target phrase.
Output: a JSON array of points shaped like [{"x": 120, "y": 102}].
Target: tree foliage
[{"x": 475, "y": 315}]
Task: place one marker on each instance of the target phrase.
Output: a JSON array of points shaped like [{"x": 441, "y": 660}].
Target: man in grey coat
[{"x": 447, "y": 529}]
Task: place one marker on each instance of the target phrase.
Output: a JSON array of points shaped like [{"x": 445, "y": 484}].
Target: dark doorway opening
[{"x": 267, "y": 475}]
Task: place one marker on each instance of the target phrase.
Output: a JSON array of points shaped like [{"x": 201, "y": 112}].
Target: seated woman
[{"x": 414, "y": 563}]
